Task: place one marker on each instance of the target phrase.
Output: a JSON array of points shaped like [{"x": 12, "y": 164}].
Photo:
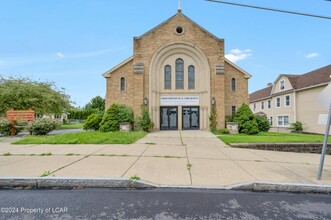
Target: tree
[
  {"x": 24, "y": 93},
  {"x": 97, "y": 103},
  {"x": 246, "y": 120}
]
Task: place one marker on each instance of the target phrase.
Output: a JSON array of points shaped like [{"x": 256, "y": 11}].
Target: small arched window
[
  {"x": 179, "y": 74},
  {"x": 191, "y": 77},
  {"x": 233, "y": 84},
  {"x": 123, "y": 84},
  {"x": 167, "y": 77}
]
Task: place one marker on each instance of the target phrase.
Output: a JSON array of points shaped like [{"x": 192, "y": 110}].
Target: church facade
[{"x": 178, "y": 70}]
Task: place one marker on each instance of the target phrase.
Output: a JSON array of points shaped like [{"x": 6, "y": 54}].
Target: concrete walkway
[{"x": 167, "y": 157}]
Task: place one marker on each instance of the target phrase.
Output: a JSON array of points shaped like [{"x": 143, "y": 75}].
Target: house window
[
  {"x": 167, "y": 77},
  {"x": 254, "y": 106},
  {"x": 262, "y": 105},
  {"x": 278, "y": 102},
  {"x": 282, "y": 85},
  {"x": 270, "y": 120},
  {"x": 123, "y": 84},
  {"x": 287, "y": 101},
  {"x": 179, "y": 74},
  {"x": 234, "y": 110},
  {"x": 233, "y": 84},
  {"x": 191, "y": 77},
  {"x": 283, "y": 121},
  {"x": 269, "y": 104}
]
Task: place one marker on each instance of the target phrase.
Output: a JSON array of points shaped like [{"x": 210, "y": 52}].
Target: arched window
[
  {"x": 191, "y": 77},
  {"x": 167, "y": 77},
  {"x": 123, "y": 84},
  {"x": 233, "y": 84},
  {"x": 179, "y": 74}
]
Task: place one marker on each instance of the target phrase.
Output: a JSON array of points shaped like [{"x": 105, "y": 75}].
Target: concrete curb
[
  {"x": 56, "y": 182},
  {"x": 123, "y": 183}
]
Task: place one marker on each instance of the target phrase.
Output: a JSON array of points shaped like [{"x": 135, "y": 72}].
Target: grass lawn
[
  {"x": 269, "y": 137},
  {"x": 88, "y": 137},
  {"x": 71, "y": 126}
]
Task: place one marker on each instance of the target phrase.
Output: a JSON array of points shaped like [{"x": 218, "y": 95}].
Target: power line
[{"x": 272, "y": 9}]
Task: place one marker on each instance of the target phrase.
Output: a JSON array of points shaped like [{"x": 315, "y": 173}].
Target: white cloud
[
  {"x": 312, "y": 55},
  {"x": 236, "y": 55},
  {"x": 59, "y": 55}
]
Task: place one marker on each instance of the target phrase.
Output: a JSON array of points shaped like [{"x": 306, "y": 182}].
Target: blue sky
[{"x": 73, "y": 42}]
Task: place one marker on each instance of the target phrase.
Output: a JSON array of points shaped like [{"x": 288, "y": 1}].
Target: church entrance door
[
  {"x": 169, "y": 118},
  {"x": 190, "y": 118}
]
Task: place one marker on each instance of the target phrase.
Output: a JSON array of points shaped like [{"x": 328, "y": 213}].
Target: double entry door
[
  {"x": 190, "y": 118},
  {"x": 169, "y": 118}
]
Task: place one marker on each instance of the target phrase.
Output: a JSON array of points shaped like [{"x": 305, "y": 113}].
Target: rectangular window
[
  {"x": 270, "y": 120},
  {"x": 282, "y": 85},
  {"x": 287, "y": 101},
  {"x": 269, "y": 104},
  {"x": 254, "y": 106},
  {"x": 283, "y": 121},
  {"x": 234, "y": 110},
  {"x": 278, "y": 102},
  {"x": 262, "y": 105}
]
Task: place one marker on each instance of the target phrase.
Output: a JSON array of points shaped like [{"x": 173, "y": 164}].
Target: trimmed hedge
[{"x": 81, "y": 114}]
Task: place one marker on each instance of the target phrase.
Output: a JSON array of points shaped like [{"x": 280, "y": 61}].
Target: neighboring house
[
  {"x": 178, "y": 70},
  {"x": 293, "y": 98}
]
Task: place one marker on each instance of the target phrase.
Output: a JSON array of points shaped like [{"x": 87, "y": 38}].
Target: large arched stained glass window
[
  {"x": 167, "y": 77},
  {"x": 191, "y": 77},
  {"x": 122, "y": 84},
  {"x": 179, "y": 74}
]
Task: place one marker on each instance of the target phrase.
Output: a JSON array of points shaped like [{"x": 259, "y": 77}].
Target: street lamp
[{"x": 145, "y": 101}]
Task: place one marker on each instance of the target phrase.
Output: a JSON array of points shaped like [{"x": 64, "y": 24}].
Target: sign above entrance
[{"x": 179, "y": 100}]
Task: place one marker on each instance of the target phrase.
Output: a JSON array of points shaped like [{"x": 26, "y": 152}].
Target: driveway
[{"x": 168, "y": 157}]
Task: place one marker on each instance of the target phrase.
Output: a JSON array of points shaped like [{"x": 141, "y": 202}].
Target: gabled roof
[
  {"x": 247, "y": 75},
  {"x": 107, "y": 74},
  {"x": 311, "y": 79},
  {"x": 179, "y": 13},
  {"x": 260, "y": 94}
]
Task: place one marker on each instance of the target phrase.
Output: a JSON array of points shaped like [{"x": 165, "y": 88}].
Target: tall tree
[
  {"x": 97, "y": 103},
  {"x": 24, "y": 93}
]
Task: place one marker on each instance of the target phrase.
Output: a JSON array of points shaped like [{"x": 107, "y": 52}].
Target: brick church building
[{"x": 178, "y": 70}]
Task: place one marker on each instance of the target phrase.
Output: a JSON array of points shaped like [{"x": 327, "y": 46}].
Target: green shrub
[
  {"x": 125, "y": 114},
  {"x": 223, "y": 131},
  {"x": 5, "y": 126},
  {"x": 144, "y": 120},
  {"x": 43, "y": 126},
  {"x": 250, "y": 127},
  {"x": 246, "y": 119},
  {"x": 213, "y": 120},
  {"x": 115, "y": 115},
  {"x": 297, "y": 126},
  {"x": 93, "y": 122},
  {"x": 262, "y": 123},
  {"x": 20, "y": 126}
]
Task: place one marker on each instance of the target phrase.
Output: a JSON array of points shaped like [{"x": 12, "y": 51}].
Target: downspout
[{"x": 295, "y": 107}]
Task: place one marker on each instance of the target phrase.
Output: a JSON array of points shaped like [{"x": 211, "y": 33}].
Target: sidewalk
[{"x": 173, "y": 158}]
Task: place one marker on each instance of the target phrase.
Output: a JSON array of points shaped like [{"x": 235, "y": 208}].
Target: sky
[{"x": 72, "y": 43}]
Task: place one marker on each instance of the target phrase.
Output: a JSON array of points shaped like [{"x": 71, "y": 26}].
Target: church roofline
[
  {"x": 247, "y": 75},
  {"x": 179, "y": 13},
  {"x": 107, "y": 74}
]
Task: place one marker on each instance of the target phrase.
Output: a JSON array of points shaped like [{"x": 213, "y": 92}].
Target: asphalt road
[{"x": 161, "y": 204}]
